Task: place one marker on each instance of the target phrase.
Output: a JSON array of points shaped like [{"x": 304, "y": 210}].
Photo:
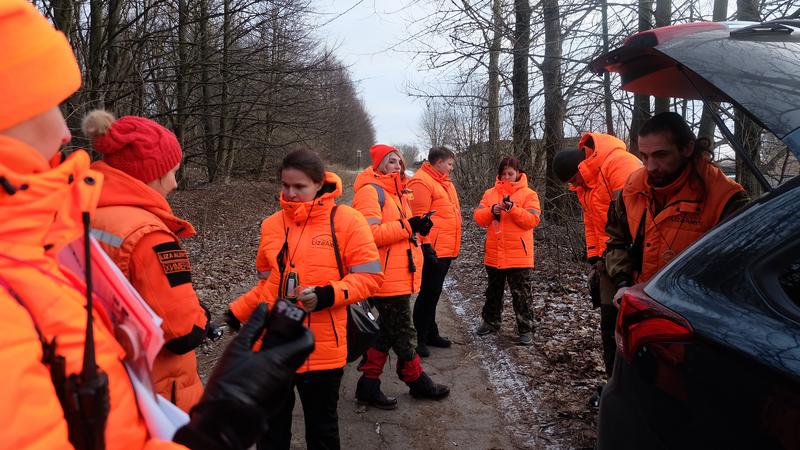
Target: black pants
[
  {"x": 434, "y": 272},
  {"x": 608, "y": 321},
  {"x": 319, "y": 394}
]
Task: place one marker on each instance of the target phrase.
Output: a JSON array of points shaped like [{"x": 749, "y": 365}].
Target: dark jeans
[
  {"x": 396, "y": 332},
  {"x": 608, "y": 321},
  {"x": 521, "y": 285},
  {"x": 434, "y": 272},
  {"x": 319, "y": 394}
]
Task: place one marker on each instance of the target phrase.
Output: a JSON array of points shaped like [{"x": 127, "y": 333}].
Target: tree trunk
[
  {"x": 222, "y": 152},
  {"x": 112, "y": 53},
  {"x": 181, "y": 91},
  {"x": 205, "y": 92},
  {"x": 519, "y": 83},
  {"x": 663, "y": 19},
  {"x": 745, "y": 130},
  {"x": 607, "y": 96},
  {"x": 94, "y": 61},
  {"x": 554, "y": 105},
  {"x": 707, "y": 125},
  {"x": 641, "y": 102},
  {"x": 494, "y": 80}
]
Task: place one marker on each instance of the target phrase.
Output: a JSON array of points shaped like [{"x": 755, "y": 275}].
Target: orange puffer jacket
[
  {"x": 604, "y": 171},
  {"x": 694, "y": 204},
  {"x": 137, "y": 229},
  {"x": 433, "y": 191},
  {"x": 509, "y": 241},
  {"x": 305, "y": 228},
  {"x": 40, "y": 218},
  {"x": 390, "y": 229}
]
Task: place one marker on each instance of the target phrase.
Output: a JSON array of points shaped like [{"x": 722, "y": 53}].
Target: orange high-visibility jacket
[
  {"x": 509, "y": 241},
  {"x": 605, "y": 170},
  {"x": 38, "y": 221},
  {"x": 693, "y": 206},
  {"x": 305, "y": 228},
  {"x": 390, "y": 229},
  {"x": 433, "y": 191},
  {"x": 137, "y": 229}
]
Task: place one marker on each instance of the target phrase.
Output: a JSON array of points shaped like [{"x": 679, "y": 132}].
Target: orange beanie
[{"x": 37, "y": 67}]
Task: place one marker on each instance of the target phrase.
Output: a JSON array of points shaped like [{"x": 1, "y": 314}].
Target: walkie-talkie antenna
[{"x": 89, "y": 371}]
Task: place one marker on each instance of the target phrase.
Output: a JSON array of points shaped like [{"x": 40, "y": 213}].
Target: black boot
[
  {"x": 368, "y": 392},
  {"x": 422, "y": 350},
  {"x": 436, "y": 340},
  {"x": 424, "y": 387}
]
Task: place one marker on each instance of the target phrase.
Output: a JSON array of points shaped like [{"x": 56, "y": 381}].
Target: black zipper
[
  {"x": 524, "y": 247},
  {"x": 335, "y": 334},
  {"x": 386, "y": 262}
]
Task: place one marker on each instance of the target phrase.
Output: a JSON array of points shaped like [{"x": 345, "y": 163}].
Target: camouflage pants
[
  {"x": 520, "y": 282},
  {"x": 397, "y": 332}
]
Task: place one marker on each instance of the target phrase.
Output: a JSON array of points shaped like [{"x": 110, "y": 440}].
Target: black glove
[
  {"x": 429, "y": 253},
  {"x": 421, "y": 225},
  {"x": 597, "y": 267},
  {"x": 325, "y": 295},
  {"x": 245, "y": 389},
  {"x": 232, "y": 321}
]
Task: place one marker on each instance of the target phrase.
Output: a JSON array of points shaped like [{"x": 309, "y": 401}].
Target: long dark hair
[
  {"x": 508, "y": 161},
  {"x": 305, "y": 161}
]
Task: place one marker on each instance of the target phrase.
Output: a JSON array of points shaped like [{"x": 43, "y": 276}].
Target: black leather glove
[
  {"x": 421, "y": 225},
  {"x": 245, "y": 389},
  {"x": 429, "y": 253},
  {"x": 232, "y": 321},
  {"x": 325, "y": 295}
]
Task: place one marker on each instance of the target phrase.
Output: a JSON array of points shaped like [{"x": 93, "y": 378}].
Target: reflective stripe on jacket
[
  {"x": 47, "y": 215},
  {"x": 390, "y": 229},
  {"x": 509, "y": 241},
  {"x": 604, "y": 171},
  {"x": 306, "y": 230},
  {"x": 137, "y": 229},
  {"x": 431, "y": 190}
]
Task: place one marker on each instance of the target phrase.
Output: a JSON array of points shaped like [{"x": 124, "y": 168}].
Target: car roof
[{"x": 755, "y": 66}]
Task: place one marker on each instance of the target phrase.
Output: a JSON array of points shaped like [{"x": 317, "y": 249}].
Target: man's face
[
  {"x": 662, "y": 158},
  {"x": 444, "y": 166},
  {"x": 577, "y": 180}
]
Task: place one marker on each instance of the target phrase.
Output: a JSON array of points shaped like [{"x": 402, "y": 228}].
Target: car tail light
[{"x": 642, "y": 320}]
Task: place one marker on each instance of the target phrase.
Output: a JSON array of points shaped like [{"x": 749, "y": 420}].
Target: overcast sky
[{"x": 364, "y": 33}]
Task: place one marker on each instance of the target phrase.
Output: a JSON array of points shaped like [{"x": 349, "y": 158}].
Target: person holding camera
[
  {"x": 59, "y": 343},
  {"x": 136, "y": 227},
  {"x": 381, "y": 196},
  {"x": 296, "y": 260},
  {"x": 509, "y": 211},
  {"x": 433, "y": 190}
]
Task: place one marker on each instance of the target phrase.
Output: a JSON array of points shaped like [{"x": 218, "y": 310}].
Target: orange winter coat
[
  {"x": 509, "y": 241},
  {"x": 604, "y": 171},
  {"x": 390, "y": 229},
  {"x": 433, "y": 191},
  {"x": 137, "y": 229},
  {"x": 693, "y": 206},
  {"x": 38, "y": 221},
  {"x": 305, "y": 228}
]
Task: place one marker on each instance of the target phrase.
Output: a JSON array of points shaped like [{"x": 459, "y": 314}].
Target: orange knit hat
[{"x": 37, "y": 67}]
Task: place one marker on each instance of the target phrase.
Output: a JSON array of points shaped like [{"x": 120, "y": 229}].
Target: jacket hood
[
  {"x": 394, "y": 183},
  {"x": 322, "y": 204},
  {"x": 604, "y": 145},
  {"x": 121, "y": 189},
  {"x": 42, "y": 206},
  {"x": 509, "y": 187}
]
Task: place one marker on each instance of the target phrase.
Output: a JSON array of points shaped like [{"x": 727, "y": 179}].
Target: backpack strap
[
  {"x": 381, "y": 195},
  {"x": 339, "y": 264}
]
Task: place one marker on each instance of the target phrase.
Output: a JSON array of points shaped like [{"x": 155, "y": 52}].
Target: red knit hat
[
  {"x": 139, "y": 147},
  {"x": 379, "y": 151}
]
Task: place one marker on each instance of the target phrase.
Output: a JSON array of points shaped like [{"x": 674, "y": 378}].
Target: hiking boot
[
  {"x": 485, "y": 329},
  {"x": 525, "y": 339},
  {"x": 422, "y": 350},
  {"x": 368, "y": 392},
  {"x": 424, "y": 387},
  {"x": 438, "y": 341}
]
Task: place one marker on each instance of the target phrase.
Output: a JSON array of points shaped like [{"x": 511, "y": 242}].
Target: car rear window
[{"x": 790, "y": 281}]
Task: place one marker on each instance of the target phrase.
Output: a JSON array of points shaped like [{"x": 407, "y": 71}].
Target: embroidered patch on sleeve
[{"x": 175, "y": 262}]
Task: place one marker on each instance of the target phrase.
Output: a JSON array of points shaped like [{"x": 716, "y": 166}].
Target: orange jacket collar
[
  {"x": 394, "y": 183},
  {"x": 509, "y": 187},
  {"x": 45, "y": 211},
  {"x": 121, "y": 189},
  {"x": 299, "y": 211},
  {"x": 435, "y": 174},
  {"x": 604, "y": 145}
]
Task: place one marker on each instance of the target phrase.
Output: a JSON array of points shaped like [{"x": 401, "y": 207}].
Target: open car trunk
[{"x": 753, "y": 66}]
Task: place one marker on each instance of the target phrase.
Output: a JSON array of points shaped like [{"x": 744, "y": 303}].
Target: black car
[{"x": 709, "y": 348}]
